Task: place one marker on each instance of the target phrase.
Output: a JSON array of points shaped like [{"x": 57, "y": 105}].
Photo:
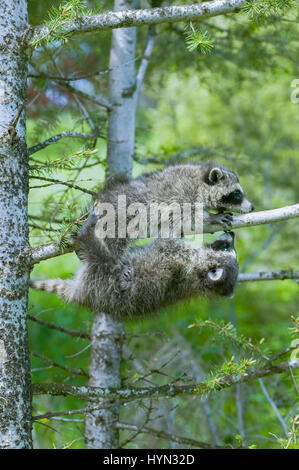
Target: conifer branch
[
  {"x": 128, "y": 18},
  {"x": 168, "y": 390},
  {"x": 55, "y": 138},
  {"x": 64, "y": 183}
]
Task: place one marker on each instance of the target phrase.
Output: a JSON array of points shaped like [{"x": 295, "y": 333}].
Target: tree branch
[
  {"x": 56, "y": 138},
  {"x": 259, "y": 218},
  {"x": 69, "y": 370},
  {"x": 64, "y": 183},
  {"x": 51, "y": 250},
  {"x": 148, "y": 16},
  {"x": 99, "y": 101},
  {"x": 169, "y": 390},
  {"x": 170, "y": 437},
  {"x": 278, "y": 275},
  {"x": 145, "y": 60},
  {"x": 73, "y": 333}
]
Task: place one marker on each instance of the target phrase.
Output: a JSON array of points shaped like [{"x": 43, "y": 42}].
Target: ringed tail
[{"x": 57, "y": 286}]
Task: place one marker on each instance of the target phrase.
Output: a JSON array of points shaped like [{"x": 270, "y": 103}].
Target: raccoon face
[
  {"x": 221, "y": 273},
  {"x": 226, "y": 193}
]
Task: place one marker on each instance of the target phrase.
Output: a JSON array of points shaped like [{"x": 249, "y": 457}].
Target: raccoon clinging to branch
[
  {"x": 213, "y": 186},
  {"x": 126, "y": 281},
  {"x": 146, "y": 279}
]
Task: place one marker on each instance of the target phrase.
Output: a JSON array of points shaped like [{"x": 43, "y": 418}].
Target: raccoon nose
[{"x": 252, "y": 208}]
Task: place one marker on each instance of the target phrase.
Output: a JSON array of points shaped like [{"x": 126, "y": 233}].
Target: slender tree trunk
[
  {"x": 15, "y": 397},
  {"x": 100, "y": 427}
]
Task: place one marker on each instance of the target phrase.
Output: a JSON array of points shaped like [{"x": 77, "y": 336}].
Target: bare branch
[
  {"x": 181, "y": 156},
  {"x": 55, "y": 138},
  {"x": 73, "y": 333},
  {"x": 269, "y": 275},
  {"x": 145, "y": 60},
  {"x": 168, "y": 390},
  {"x": 148, "y": 16},
  {"x": 170, "y": 437},
  {"x": 95, "y": 99},
  {"x": 69, "y": 370},
  {"x": 274, "y": 407},
  {"x": 259, "y": 218}
]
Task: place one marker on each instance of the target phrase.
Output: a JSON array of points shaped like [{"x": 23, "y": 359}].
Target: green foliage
[
  {"x": 295, "y": 328},
  {"x": 58, "y": 18},
  {"x": 67, "y": 163},
  {"x": 69, "y": 227},
  {"x": 198, "y": 39},
  {"x": 229, "y": 333},
  {"x": 266, "y": 11},
  {"x": 223, "y": 376}
]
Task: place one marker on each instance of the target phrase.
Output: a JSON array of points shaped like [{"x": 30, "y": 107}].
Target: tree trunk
[
  {"x": 15, "y": 395},
  {"x": 100, "y": 427}
]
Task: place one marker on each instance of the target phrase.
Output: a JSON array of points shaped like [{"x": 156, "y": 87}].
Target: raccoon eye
[
  {"x": 237, "y": 195},
  {"x": 215, "y": 274},
  {"x": 225, "y": 246}
]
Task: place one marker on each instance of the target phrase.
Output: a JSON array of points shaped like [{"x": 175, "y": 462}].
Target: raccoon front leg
[{"x": 223, "y": 219}]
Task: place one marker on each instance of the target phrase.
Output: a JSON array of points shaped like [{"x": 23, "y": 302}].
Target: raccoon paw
[
  {"x": 225, "y": 219},
  {"x": 126, "y": 278}
]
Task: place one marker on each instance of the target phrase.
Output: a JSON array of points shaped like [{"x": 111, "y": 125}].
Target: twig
[
  {"x": 274, "y": 407},
  {"x": 171, "y": 437},
  {"x": 64, "y": 183},
  {"x": 70, "y": 370},
  {"x": 102, "y": 102},
  {"x": 55, "y": 138},
  {"x": 73, "y": 333}
]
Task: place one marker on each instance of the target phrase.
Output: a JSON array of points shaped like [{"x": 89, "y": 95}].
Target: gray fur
[
  {"x": 145, "y": 280},
  {"x": 127, "y": 282},
  {"x": 207, "y": 184}
]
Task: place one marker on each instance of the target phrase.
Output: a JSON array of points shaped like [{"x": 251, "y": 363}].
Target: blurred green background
[{"x": 236, "y": 103}]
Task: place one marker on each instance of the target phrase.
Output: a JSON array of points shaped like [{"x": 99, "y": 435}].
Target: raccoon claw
[
  {"x": 126, "y": 278},
  {"x": 225, "y": 219},
  {"x": 88, "y": 226}
]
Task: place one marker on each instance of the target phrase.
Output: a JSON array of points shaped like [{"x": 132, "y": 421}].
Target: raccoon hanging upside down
[{"x": 147, "y": 279}]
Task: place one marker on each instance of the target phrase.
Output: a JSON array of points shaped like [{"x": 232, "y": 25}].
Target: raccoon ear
[{"x": 215, "y": 175}]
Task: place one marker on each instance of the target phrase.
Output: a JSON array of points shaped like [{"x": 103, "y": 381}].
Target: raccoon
[
  {"x": 215, "y": 187},
  {"x": 145, "y": 280}
]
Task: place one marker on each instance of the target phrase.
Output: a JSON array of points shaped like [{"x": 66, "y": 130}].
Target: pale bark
[
  {"x": 278, "y": 275},
  {"x": 107, "y": 332},
  {"x": 15, "y": 387},
  {"x": 149, "y": 16}
]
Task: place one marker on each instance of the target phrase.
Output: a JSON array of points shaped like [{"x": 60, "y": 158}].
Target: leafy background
[{"x": 236, "y": 103}]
